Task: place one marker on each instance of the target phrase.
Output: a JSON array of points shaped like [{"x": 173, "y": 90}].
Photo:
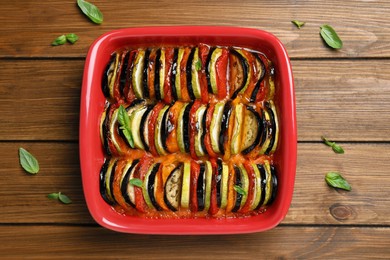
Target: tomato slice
[
  {"x": 195, "y": 169},
  {"x": 221, "y": 74},
  {"x": 173, "y": 115},
  {"x": 139, "y": 173},
  {"x": 252, "y": 181},
  {"x": 193, "y": 128},
  {"x": 152, "y": 125},
  {"x": 168, "y": 75},
  {"x": 151, "y": 73},
  {"x": 203, "y": 53}
]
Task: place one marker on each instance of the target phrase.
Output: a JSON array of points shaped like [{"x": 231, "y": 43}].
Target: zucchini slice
[
  {"x": 149, "y": 185},
  {"x": 145, "y": 69},
  {"x": 161, "y": 74},
  {"x": 127, "y": 189},
  {"x": 244, "y": 185},
  {"x": 224, "y": 185},
  {"x": 252, "y": 130},
  {"x": 215, "y": 126},
  {"x": 106, "y": 180},
  {"x": 177, "y": 73},
  {"x": 160, "y": 125},
  {"x": 216, "y": 53},
  {"x": 256, "y": 188},
  {"x": 208, "y": 181},
  {"x": 186, "y": 183},
  {"x": 135, "y": 123},
  {"x": 194, "y": 72},
  {"x": 267, "y": 128},
  {"x": 109, "y": 76},
  {"x": 274, "y": 127},
  {"x": 113, "y": 130},
  {"x": 144, "y": 130},
  {"x": 237, "y": 129},
  {"x": 268, "y": 182},
  {"x": 137, "y": 74},
  {"x": 200, "y": 113}
]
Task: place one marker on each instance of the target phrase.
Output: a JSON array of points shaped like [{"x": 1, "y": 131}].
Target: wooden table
[{"x": 344, "y": 95}]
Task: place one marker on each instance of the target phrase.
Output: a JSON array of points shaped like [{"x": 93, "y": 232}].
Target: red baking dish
[{"x": 93, "y": 102}]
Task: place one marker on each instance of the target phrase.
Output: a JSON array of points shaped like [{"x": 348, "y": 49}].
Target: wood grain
[
  {"x": 23, "y": 197},
  {"x": 59, "y": 242},
  {"x": 363, "y": 25},
  {"x": 350, "y": 105}
]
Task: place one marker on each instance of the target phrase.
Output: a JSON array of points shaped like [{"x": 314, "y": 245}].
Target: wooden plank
[
  {"x": 350, "y": 105},
  {"x": 59, "y": 242},
  {"x": 23, "y": 197},
  {"x": 47, "y": 20}
]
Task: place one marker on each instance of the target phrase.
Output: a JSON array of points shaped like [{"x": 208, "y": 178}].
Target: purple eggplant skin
[
  {"x": 145, "y": 74},
  {"x": 237, "y": 182},
  {"x": 218, "y": 179},
  {"x": 143, "y": 126},
  {"x": 259, "y": 131},
  {"x": 223, "y": 136},
  {"x": 106, "y": 194},
  {"x": 258, "y": 83},
  {"x": 105, "y": 83},
  {"x": 186, "y": 130},
  {"x": 204, "y": 129},
  {"x": 274, "y": 181},
  {"x": 208, "y": 59},
  {"x": 262, "y": 184},
  {"x": 151, "y": 184},
  {"x": 122, "y": 76},
  {"x": 105, "y": 132},
  {"x": 157, "y": 75},
  {"x": 272, "y": 128},
  {"x": 125, "y": 183},
  {"x": 173, "y": 75},
  {"x": 245, "y": 69},
  {"x": 201, "y": 187},
  {"x": 189, "y": 74},
  {"x": 165, "y": 129}
]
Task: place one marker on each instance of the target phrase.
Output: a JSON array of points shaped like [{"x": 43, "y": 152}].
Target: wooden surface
[{"x": 343, "y": 94}]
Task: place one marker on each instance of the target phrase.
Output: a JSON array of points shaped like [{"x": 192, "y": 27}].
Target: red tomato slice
[
  {"x": 193, "y": 129},
  {"x": 221, "y": 74},
  {"x": 195, "y": 169},
  {"x": 142, "y": 168},
  {"x": 168, "y": 73},
  {"x": 152, "y": 126}
]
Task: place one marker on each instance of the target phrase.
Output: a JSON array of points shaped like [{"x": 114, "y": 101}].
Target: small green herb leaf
[
  {"x": 335, "y": 147},
  {"x": 53, "y": 196},
  {"x": 91, "y": 11},
  {"x": 60, "y": 40},
  {"x": 335, "y": 180},
  {"x": 198, "y": 65},
  {"x": 28, "y": 161},
  {"x": 239, "y": 190},
  {"x": 72, "y": 38},
  {"x": 330, "y": 37},
  {"x": 136, "y": 182},
  {"x": 63, "y": 198},
  {"x": 298, "y": 24},
  {"x": 124, "y": 122},
  {"x": 59, "y": 196}
]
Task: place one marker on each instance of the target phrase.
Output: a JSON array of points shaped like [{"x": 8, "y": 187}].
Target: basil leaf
[
  {"x": 72, "y": 38},
  {"x": 298, "y": 24},
  {"x": 60, "y": 40},
  {"x": 239, "y": 190},
  {"x": 335, "y": 147},
  {"x": 28, "y": 161},
  {"x": 63, "y": 198},
  {"x": 198, "y": 65},
  {"x": 335, "y": 180},
  {"x": 124, "y": 122},
  {"x": 136, "y": 182},
  {"x": 53, "y": 196},
  {"x": 91, "y": 11},
  {"x": 330, "y": 37}
]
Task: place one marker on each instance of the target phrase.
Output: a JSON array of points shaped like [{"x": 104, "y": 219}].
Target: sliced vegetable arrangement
[{"x": 189, "y": 131}]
